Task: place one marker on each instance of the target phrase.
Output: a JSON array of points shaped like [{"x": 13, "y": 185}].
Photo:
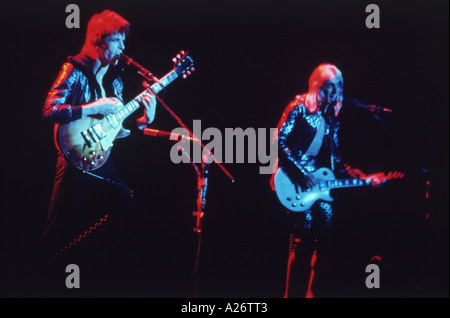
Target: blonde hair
[{"x": 324, "y": 72}]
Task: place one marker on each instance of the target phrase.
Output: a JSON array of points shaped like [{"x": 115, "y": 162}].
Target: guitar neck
[
  {"x": 345, "y": 183},
  {"x": 132, "y": 106}
]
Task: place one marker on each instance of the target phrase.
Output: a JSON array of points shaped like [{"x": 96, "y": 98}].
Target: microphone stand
[
  {"x": 408, "y": 153},
  {"x": 202, "y": 184},
  {"x": 148, "y": 76},
  {"x": 413, "y": 159},
  {"x": 202, "y": 179},
  {"x": 375, "y": 110}
]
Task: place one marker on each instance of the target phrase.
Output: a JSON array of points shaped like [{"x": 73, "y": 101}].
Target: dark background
[{"x": 251, "y": 59}]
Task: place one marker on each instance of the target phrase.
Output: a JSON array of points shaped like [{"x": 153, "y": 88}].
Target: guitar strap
[{"x": 316, "y": 144}]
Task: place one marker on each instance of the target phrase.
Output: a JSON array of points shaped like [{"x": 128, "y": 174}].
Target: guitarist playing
[
  {"x": 307, "y": 136},
  {"x": 308, "y": 140},
  {"x": 88, "y": 85}
]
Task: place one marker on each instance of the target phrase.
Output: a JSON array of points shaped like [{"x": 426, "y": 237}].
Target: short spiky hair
[{"x": 99, "y": 27}]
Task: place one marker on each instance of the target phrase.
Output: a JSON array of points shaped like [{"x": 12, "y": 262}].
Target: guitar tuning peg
[
  {"x": 188, "y": 72},
  {"x": 192, "y": 69},
  {"x": 174, "y": 60},
  {"x": 184, "y": 75},
  {"x": 182, "y": 52},
  {"x": 178, "y": 56}
]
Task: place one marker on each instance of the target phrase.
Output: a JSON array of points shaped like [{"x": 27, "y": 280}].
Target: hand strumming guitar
[
  {"x": 309, "y": 181},
  {"x": 301, "y": 180},
  {"x": 103, "y": 106}
]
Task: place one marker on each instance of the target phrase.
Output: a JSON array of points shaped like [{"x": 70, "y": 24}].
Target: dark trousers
[
  {"x": 309, "y": 244},
  {"x": 92, "y": 223}
]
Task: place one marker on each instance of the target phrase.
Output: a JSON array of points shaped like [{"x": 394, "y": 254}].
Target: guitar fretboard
[
  {"x": 132, "y": 106},
  {"x": 344, "y": 183}
]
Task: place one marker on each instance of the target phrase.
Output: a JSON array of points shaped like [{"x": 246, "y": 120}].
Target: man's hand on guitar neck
[{"x": 149, "y": 102}]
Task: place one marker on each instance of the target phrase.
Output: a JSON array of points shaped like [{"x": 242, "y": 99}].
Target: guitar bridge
[{"x": 86, "y": 138}]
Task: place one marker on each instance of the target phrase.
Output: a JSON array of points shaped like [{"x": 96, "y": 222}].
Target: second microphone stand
[
  {"x": 202, "y": 185},
  {"x": 202, "y": 174}
]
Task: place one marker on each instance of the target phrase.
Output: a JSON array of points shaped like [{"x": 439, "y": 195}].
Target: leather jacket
[
  {"x": 297, "y": 129},
  {"x": 75, "y": 86}
]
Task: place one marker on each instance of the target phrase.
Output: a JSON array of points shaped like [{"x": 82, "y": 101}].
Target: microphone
[
  {"x": 141, "y": 70},
  {"x": 172, "y": 136},
  {"x": 372, "y": 108}
]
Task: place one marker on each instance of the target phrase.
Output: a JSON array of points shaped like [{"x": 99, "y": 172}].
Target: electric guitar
[
  {"x": 86, "y": 143},
  {"x": 300, "y": 201}
]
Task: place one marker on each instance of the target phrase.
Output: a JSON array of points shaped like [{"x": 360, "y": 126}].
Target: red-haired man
[{"x": 89, "y": 84}]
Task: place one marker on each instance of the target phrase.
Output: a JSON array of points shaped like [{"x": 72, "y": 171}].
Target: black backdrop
[{"x": 251, "y": 59}]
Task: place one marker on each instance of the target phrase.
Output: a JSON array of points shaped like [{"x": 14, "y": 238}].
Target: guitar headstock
[
  {"x": 184, "y": 65},
  {"x": 374, "y": 178}
]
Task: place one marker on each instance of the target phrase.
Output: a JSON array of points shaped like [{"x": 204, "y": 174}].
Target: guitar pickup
[
  {"x": 93, "y": 135},
  {"x": 99, "y": 131}
]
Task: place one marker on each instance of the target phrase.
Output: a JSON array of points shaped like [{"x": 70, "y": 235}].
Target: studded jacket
[
  {"x": 75, "y": 86},
  {"x": 296, "y": 132}
]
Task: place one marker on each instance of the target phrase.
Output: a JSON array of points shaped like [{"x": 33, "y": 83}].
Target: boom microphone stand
[
  {"x": 148, "y": 76},
  {"x": 207, "y": 158},
  {"x": 376, "y": 110},
  {"x": 202, "y": 184}
]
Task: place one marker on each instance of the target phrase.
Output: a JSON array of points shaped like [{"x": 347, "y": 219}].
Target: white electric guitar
[
  {"x": 298, "y": 200},
  {"x": 87, "y": 142}
]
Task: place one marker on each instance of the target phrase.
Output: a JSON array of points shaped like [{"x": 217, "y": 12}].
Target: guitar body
[
  {"x": 87, "y": 142},
  {"x": 296, "y": 200},
  {"x": 302, "y": 201}
]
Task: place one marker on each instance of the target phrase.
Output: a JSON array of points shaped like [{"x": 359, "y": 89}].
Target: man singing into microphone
[{"x": 89, "y": 85}]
